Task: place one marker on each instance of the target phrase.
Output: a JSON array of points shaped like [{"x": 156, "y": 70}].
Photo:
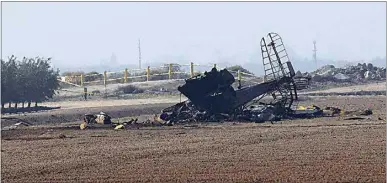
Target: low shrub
[{"x": 129, "y": 89}]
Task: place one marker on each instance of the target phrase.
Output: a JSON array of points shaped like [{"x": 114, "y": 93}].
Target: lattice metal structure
[{"x": 277, "y": 65}]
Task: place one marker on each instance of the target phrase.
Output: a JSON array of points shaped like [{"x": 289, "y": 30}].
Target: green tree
[
  {"x": 46, "y": 79},
  {"x": 10, "y": 77},
  {"x": 29, "y": 69},
  {"x": 29, "y": 80},
  {"x": 4, "y": 90},
  {"x": 24, "y": 78}
]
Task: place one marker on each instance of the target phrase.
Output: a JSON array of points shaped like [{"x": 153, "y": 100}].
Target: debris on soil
[
  {"x": 101, "y": 118},
  {"x": 119, "y": 127},
  {"x": 17, "y": 119},
  {"x": 357, "y": 115},
  {"x": 83, "y": 126},
  {"x": 89, "y": 119},
  {"x": 16, "y": 125},
  {"x": 104, "y": 120},
  {"x": 366, "y": 112},
  {"x": 211, "y": 96},
  {"x": 355, "y": 118},
  {"x": 331, "y": 111}
]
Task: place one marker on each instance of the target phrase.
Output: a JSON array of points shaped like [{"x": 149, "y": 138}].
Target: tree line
[{"x": 26, "y": 81}]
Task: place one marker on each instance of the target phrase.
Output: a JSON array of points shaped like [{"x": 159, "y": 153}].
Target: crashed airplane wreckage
[{"x": 212, "y": 97}]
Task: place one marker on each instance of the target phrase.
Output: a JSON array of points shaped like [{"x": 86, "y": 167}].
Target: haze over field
[{"x": 90, "y": 35}]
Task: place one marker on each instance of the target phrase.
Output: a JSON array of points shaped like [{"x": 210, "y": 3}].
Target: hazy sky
[{"x": 85, "y": 33}]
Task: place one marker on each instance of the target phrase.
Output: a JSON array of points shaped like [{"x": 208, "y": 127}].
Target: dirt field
[{"x": 327, "y": 149}]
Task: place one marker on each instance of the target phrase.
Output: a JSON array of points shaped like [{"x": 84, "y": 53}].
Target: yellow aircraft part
[
  {"x": 342, "y": 113},
  {"x": 157, "y": 118},
  {"x": 306, "y": 108},
  {"x": 119, "y": 127},
  {"x": 83, "y": 126}
]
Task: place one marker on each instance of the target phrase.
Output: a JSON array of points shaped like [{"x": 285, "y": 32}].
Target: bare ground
[
  {"x": 327, "y": 149},
  {"x": 380, "y": 86},
  {"x": 54, "y": 117}
]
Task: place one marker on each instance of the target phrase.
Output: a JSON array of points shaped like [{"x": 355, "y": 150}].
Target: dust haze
[{"x": 87, "y": 36}]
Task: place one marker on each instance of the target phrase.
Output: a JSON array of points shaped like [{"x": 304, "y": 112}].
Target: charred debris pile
[{"x": 212, "y": 98}]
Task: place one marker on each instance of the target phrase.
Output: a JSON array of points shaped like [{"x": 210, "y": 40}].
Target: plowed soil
[{"x": 329, "y": 149}]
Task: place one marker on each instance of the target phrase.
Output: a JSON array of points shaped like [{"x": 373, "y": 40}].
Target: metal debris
[
  {"x": 355, "y": 118},
  {"x": 119, "y": 127},
  {"x": 83, "y": 126},
  {"x": 100, "y": 118},
  {"x": 366, "y": 112},
  {"x": 91, "y": 119},
  {"x": 16, "y": 125},
  {"x": 104, "y": 120},
  {"x": 212, "y": 98}
]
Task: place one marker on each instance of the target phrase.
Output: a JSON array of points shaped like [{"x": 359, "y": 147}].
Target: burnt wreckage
[{"x": 213, "y": 98}]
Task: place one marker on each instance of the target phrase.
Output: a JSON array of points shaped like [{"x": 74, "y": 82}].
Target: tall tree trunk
[
  {"x": 36, "y": 104},
  {"x": 2, "y": 105},
  {"x": 29, "y": 104},
  {"x": 16, "y": 105},
  {"x": 9, "y": 104},
  {"x": 22, "y": 104}
]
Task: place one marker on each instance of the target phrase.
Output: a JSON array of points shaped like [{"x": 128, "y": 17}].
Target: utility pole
[
  {"x": 139, "y": 54},
  {"x": 315, "y": 54}
]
